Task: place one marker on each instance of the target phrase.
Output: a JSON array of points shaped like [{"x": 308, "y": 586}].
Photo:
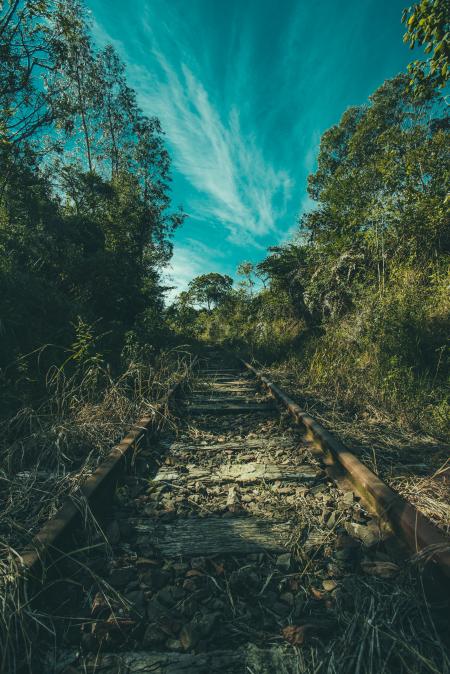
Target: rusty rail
[
  {"x": 408, "y": 523},
  {"x": 50, "y": 539}
]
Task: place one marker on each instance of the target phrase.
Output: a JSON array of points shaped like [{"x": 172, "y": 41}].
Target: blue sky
[{"x": 244, "y": 89}]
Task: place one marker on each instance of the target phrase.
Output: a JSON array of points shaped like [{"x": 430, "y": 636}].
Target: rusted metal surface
[
  {"x": 104, "y": 479},
  {"x": 48, "y": 543},
  {"x": 412, "y": 526},
  {"x": 416, "y": 530}
]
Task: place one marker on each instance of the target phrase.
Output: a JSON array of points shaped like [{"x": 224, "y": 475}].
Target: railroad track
[{"x": 224, "y": 549}]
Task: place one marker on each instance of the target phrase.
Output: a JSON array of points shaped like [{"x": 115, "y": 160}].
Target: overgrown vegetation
[
  {"x": 85, "y": 217},
  {"x": 355, "y": 308},
  {"x": 358, "y": 302},
  {"x": 47, "y": 451},
  {"x": 85, "y": 231}
]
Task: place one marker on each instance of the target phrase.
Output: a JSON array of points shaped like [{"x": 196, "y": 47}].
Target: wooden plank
[
  {"x": 236, "y": 661},
  {"x": 237, "y": 445},
  {"x": 229, "y": 409},
  {"x": 224, "y": 373},
  {"x": 245, "y": 473},
  {"x": 226, "y": 390},
  {"x": 215, "y": 398},
  {"x": 224, "y": 395},
  {"x": 234, "y": 381},
  {"x": 190, "y": 537},
  {"x": 223, "y": 370}
]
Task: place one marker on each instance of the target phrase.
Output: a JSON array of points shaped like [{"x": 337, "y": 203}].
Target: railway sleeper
[{"x": 228, "y": 550}]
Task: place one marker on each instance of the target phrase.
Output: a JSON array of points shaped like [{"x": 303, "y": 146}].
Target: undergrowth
[{"x": 47, "y": 450}]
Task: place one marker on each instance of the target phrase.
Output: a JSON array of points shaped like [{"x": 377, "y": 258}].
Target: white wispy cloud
[
  {"x": 224, "y": 136},
  {"x": 235, "y": 185}
]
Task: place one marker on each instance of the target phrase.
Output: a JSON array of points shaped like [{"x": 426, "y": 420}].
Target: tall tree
[
  {"x": 210, "y": 289},
  {"x": 85, "y": 208},
  {"x": 25, "y": 54},
  {"x": 118, "y": 112},
  {"x": 74, "y": 85}
]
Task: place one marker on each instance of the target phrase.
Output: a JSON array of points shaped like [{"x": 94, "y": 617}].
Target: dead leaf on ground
[
  {"x": 295, "y": 634},
  {"x": 112, "y": 627},
  {"x": 318, "y": 594},
  {"x": 329, "y": 585},
  {"x": 381, "y": 569},
  {"x": 219, "y": 568},
  {"x": 99, "y": 604}
]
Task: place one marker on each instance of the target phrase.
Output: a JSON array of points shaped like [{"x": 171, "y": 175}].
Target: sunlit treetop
[{"x": 428, "y": 26}]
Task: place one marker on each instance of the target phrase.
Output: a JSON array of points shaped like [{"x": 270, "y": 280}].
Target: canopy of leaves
[
  {"x": 428, "y": 24},
  {"x": 210, "y": 289}
]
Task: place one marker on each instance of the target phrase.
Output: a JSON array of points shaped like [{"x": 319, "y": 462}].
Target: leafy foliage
[
  {"x": 359, "y": 298},
  {"x": 210, "y": 289},
  {"x": 428, "y": 23},
  {"x": 85, "y": 218}
]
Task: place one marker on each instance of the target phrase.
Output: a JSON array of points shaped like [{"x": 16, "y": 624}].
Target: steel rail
[
  {"x": 408, "y": 523},
  {"x": 49, "y": 541}
]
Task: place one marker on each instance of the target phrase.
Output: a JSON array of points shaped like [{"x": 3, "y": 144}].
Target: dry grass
[
  {"x": 387, "y": 628},
  {"x": 383, "y": 625},
  {"x": 410, "y": 462},
  {"x": 46, "y": 452}
]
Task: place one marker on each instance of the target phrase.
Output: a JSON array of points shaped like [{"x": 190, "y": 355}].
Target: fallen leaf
[
  {"x": 317, "y": 594},
  {"x": 112, "y": 627},
  {"x": 295, "y": 634},
  {"x": 219, "y": 568},
  {"x": 382, "y": 569},
  {"x": 99, "y": 604},
  {"x": 193, "y": 572},
  {"x": 284, "y": 561},
  {"x": 144, "y": 562},
  {"x": 369, "y": 534},
  {"x": 329, "y": 585}
]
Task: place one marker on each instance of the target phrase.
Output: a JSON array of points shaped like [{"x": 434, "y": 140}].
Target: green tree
[
  {"x": 428, "y": 23},
  {"x": 25, "y": 55},
  {"x": 210, "y": 289},
  {"x": 118, "y": 114},
  {"x": 85, "y": 209},
  {"x": 381, "y": 179},
  {"x": 75, "y": 83},
  {"x": 246, "y": 269}
]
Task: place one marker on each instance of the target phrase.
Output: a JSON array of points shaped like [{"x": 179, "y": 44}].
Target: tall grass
[{"x": 47, "y": 450}]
